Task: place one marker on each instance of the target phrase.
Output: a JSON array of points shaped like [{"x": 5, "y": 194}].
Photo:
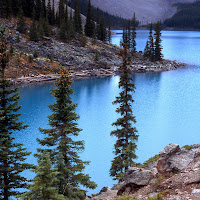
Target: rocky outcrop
[{"x": 176, "y": 175}]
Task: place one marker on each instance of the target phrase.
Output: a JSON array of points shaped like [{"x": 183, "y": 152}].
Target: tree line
[
  {"x": 68, "y": 21},
  {"x": 188, "y": 16},
  {"x": 153, "y": 48}
]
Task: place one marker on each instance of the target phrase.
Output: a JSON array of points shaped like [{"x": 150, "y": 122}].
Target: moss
[
  {"x": 160, "y": 195},
  {"x": 157, "y": 183},
  {"x": 187, "y": 147},
  {"x": 150, "y": 160}
]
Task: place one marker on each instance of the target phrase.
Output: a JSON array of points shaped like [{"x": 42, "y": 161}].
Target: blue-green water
[{"x": 166, "y": 107}]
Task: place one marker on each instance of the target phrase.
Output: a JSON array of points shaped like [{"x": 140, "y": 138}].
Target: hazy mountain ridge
[{"x": 146, "y": 10}]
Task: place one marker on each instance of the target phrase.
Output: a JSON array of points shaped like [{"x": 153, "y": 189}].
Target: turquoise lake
[{"x": 167, "y": 107}]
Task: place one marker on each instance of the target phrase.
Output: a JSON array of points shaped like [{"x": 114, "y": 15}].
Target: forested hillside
[{"x": 187, "y": 17}]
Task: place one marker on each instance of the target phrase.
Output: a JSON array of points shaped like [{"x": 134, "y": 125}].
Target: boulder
[
  {"x": 134, "y": 179},
  {"x": 173, "y": 159}
]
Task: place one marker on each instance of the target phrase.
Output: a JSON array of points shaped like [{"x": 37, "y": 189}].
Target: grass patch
[
  {"x": 150, "y": 160},
  {"x": 187, "y": 147}
]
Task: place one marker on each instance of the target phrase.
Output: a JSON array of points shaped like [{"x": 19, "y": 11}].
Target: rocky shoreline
[
  {"x": 166, "y": 65},
  {"x": 173, "y": 174},
  {"x": 36, "y": 62}
]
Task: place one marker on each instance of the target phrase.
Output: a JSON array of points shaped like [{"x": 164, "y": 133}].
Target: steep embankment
[
  {"x": 173, "y": 174},
  {"x": 146, "y": 10},
  {"x": 84, "y": 57}
]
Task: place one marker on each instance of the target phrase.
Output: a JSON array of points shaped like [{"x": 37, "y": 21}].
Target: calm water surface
[{"x": 167, "y": 107}]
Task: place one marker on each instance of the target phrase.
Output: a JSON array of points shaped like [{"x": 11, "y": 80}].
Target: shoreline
[{"x": 136, "y": 67}]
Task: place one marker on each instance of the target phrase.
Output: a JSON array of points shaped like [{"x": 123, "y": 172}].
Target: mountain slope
[{"x": 146, "y": 10}]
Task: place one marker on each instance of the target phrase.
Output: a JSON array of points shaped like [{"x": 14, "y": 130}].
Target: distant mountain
[
  {"x": 146, "y": 10},
  {"x": 187, "y": 17}
]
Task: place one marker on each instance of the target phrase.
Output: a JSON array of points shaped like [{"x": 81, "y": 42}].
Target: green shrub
[
  {"x": 150, "y": 160},
  {"x": 30, "y": 59},
  {"x": 83, "y": 40},
  {"x": 35, "y": 54},
  {"x": 188, "y": 147},
  {"x": 157, "y": 183}
]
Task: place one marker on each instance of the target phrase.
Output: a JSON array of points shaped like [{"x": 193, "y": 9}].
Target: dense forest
[
  {"x": 188, "y": 16},
  {"x": 115, "y": 21}
]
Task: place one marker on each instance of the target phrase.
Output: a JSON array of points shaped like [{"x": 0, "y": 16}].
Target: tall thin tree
[
  {"x": 60, "y": 141},
  {"x": 126, "y": 134},
  {"x": 12, "y": 155}
]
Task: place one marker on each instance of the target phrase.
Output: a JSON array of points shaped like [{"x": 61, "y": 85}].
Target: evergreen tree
[
  {"x": 43, "y": 187},
  {"x": 109, "y": 38},
  {"x": 62, "y": 32},
  {"x": 149, "y": 51},
  {"x": 77, "y": 17},
  {"x": 127, "y": 136},
  {"x": 102, "y": 28},
  {"x": 49, "y": 13},
  {"x": 12, "y": 155},
  {"x": 89, "y": 26},
  {"x": 98, "y": 31},
  {"x": 33, "y": 34},
  {"x": 37, "y": 9},
  {"x": 133, "y": 34},
  {"x": 61, "y": 12},
  {"x": 129, "y": 34},
  {"x": 53, "y": 13},
  {"x": 21, "y": 24},
  {"x": 59, "y": 140},
  {"x": 43, "y": 9},
  {"x": 158, "y": 47},
  {"x": 5, "y": 8}
]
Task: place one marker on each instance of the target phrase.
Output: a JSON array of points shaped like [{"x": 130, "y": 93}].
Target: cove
[{"x": 166, "y": 107}]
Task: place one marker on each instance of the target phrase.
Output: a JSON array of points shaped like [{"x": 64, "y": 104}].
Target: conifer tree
[
  {"x": 33, "y": 34},
  {"x": 53, "y": 13},
  {"x": 60, "y": 141},
  {"x": 37, "y": 9},
  {"x": 77, "y": 17},
  {"x": 129, "y": 34},
  {"x": 125, "y": 133},
  {"x": 5, "y": 8},
  {"x": 149, "y": 51},
  {"x": 61, "y": 12},
  {"x": 102, "y": 28},
  {"x": 89, "y": 26},
  {"x": 109, "y": 38},
  {"x": 158, "y": 47},
  {"x": 49, "y": 12},
  {"x": 44, "y": 183},
  {"x": 12, "y": 155},
  {"x": 133, "y": 34},
  {"x": 21, "y": 24}
]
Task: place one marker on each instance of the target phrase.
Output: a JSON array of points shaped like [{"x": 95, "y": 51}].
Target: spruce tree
[
  {"x": 149, "y": 51},
  {"x": 33, "y": 34},
  {"x": 102, "y": 28},
  {"x": 49, "y": 12},
  {"x": 109, "y": 38},
  {"x": 77, "y": 17},
  {"x": 89, "y": 26},
  {"x": 61, "y": 10},
  {"x": 60, "y": 141},
  {"x": 158, "y": 46},
  {"x": 21, "y": 24},
  {"x": 12, "y": 155},
  {"x": 44, "y": 183},
  {"x": 133, "y": 34},
  {"x": 125, "y": 133}
]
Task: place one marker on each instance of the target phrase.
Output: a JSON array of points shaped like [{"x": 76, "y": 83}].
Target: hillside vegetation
[{"x": 187, "y": 17}]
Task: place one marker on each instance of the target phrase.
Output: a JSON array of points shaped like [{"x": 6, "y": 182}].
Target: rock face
[
  {"x": 177, "y": 172},
  {"x": 146, "y": 10}
]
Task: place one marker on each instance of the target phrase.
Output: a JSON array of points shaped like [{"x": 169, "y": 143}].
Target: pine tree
[
  {"x": 127, "y": 136},
  {"x": 61, "y": 12},
  {"x": 21, "y": 24},
  {"x": 37, "y": 10},
  {"x": 129, "y": 34},
  {"x": 89, "y": 26},
  {"x": 53, "y": 14},
  {"x": 149, "y": 51},
  {"x": 133, "y": 34},
  {"x": 109, "y": 38},
  {"x": 77, "y": 17},
  {"x": 43, "y": 187},
  {"x": 102, "y": 28},
  {"x": 33, "y": 34},
  {"x": 59, "y": 140},
  {"x": 49, "y": 13},
  {"x": 5, "y": 8},
  {"x": 158, "y": 47},
  {"x": 12, "y": 155}
]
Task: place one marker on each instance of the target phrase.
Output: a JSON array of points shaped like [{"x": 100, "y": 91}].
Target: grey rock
[
  {"x": 134, "y": 179},
  {"x": 169, "y": 149},
  {"x": 195, "y": 191}
]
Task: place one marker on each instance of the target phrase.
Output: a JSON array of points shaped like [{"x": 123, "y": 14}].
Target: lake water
[{"x": 167, "y": 107}]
